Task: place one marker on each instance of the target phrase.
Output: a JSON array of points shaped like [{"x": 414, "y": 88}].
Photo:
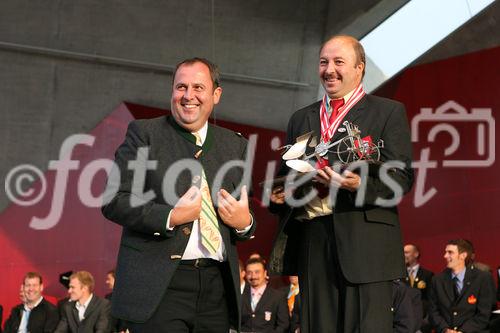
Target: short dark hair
[
  {"x": 212, "y": 68},
  {"x": 463, "y": 246},
  {"x": 358, "y": 49},
  {"x": 253, "y": 261},
  {"x": 112, "y": 272},
  {"x": 33, "y": 275}
]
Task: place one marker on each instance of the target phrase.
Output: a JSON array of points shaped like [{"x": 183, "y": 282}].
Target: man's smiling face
[
  {"x": 340, "y": 71},
  {"x": 193, "y": 96}
]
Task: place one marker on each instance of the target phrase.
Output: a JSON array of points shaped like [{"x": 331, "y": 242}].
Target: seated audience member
[
  {"x": 110, "y": 283},
  {"x": 264, "y": 309},
  {"x": 86, "y": 313},
  {"x": 295, "y": 318},
  {"x": 116, "y": 324},
  {"x": 293, "y": 300},
  {"x": 418, "y": 278},
  {"x": 242, "y": 276},
  {"x": 407, "y": 308},
  {"x": 479, "y": 265},
  {"x": 34, "y": 314},
  {"x": 461, "y": 297},
  {"x": 292, "y": 292}
]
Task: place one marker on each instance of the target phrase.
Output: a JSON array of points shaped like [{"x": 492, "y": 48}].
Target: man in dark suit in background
[
  {"x": 264, "y": 309},
  {"x": 462, "y": 297},
  {"x": 418, "y": 278},
  {"x": 86, "y": 313},
  {"x": 346, "y": 256},
  {"x": 407, "y": 308},
  {"x": 35, "y": 314},
  {"x": 182, "y": 231}
]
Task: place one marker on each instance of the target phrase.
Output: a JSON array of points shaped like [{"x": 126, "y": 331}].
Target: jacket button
[
  {"x": 186, "y": 231},
  {"x": 253, "y": 315},
  {"x": 454, "y": 313}
]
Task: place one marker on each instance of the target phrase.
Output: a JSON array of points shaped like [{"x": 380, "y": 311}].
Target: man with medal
[{"x": 345, "y": 252}]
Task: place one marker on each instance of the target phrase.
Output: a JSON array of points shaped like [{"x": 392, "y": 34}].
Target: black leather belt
[{"x": 200, "y": 262}]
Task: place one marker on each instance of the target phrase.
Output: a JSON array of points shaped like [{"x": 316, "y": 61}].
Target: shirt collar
[
  {"x": 259, "y": 290},
  {"x": 414, "y": 268},
  {"x": 203, "y": 132},
  {"x": 34, "y": 306},
  {"x": 345, "y": 98},
  {"x": 460, "y": 276},
  {"x": 84, "y": 305}
]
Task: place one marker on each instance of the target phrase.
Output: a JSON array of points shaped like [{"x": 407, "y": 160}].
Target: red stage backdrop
[{"x": 451, "y": 105}]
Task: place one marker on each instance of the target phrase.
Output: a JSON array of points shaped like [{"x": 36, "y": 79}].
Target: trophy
[{"x": 349, "y": 149}]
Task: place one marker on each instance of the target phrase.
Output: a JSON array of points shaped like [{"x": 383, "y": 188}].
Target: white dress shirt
[
  {"x": 194, "y": 248},
  {"x": 82, "y": 307},
  {"x": 25, "y": 317}
]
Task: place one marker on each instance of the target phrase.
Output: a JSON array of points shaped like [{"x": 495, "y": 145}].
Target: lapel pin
[{"x": 472, "y": 299}]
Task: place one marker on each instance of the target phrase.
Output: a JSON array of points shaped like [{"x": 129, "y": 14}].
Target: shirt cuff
[
  {"x": 167, "y": 226},
  {"x": 247, "y": 228}
]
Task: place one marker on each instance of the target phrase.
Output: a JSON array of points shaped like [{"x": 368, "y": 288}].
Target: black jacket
[
  {"x": 96, "y": 318},
  {"x": 149, "y": 253},
  {"x": 470, "y": 312},
  {"x": 270, "y": 315},
  {"x": 43, "y": 318}
]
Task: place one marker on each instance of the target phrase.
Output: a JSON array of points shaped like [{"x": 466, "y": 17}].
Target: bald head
[
  {"x": 412, "y": 254},
  {"x": 340, "y": 67},
  {"x": 356, "y": 46}
]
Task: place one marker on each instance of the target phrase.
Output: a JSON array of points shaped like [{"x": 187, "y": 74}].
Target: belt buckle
[{"x": 197, "y": 263}]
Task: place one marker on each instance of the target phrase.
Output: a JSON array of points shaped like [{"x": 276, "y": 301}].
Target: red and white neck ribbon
[{"x": 327, "y": 128}]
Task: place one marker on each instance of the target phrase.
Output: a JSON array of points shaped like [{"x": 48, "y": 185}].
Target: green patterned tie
[{"x": 209, "y": 225}]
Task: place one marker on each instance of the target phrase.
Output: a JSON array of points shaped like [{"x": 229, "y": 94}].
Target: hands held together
[
  {"x": 234, "y": 213},
  {"x": 327, "y": 177}
]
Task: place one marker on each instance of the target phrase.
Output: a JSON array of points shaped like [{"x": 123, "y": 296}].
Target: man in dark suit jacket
[
  {"x": 86, "y": 313},
  {"x": 264, "y": 309},
  {"x": 163, "y": 250},
  {"x": 461, "y": 297},
  {"x": 407, "y": 308},
  {"x": 43, "y": 316},
  {"x": 418, "y": 278},
  {"x": 346, "y": 257}
]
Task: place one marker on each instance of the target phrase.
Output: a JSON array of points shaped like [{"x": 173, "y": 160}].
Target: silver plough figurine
[{"x": 349, "y": 149}]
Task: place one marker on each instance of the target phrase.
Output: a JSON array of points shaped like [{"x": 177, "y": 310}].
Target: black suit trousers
[
  {"x": 330, "y": 303},
  {"x": 195, "y": 302}
]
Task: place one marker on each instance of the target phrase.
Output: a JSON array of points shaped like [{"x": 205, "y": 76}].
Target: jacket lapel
[
  {"x": 246, "y": 298},
  {"x": 352, "y": 116},
  {"x": 264, "y": 298},
  {"x": 313, "y": 119},
  {"x": 468, "y": 278},
  {"x": 91, "y": 307},
  {"x": 74, "y": 313}
]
